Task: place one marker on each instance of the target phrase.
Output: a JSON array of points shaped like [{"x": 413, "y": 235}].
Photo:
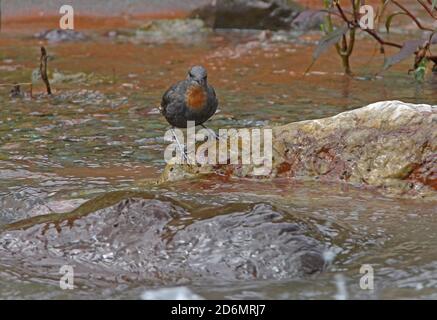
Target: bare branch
[
  {"x": 43, "y": 70},
  {"x": 416, "y": 21},
  {"x": 427, "y": 9},
  {"x": 380, "y": 40}
]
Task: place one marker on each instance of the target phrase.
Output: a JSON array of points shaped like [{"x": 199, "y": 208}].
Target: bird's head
[{"x": 198, "y": 75}]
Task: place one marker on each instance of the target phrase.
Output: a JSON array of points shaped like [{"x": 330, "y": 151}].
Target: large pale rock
[{"x": 389, "y": 145}]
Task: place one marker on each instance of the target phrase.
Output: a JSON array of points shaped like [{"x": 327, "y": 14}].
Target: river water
[{"x": 101, "y": 132}]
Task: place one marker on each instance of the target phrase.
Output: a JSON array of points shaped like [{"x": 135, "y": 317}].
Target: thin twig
[
  {"x": 371, "y": 32},
  {"x": 417, "y": 22},
  {"x": 427, "y": 9},
  {"x": 43, "y": 70},
  {"x": 380, "y": 40},
  {"x": 342, "y": 14}
]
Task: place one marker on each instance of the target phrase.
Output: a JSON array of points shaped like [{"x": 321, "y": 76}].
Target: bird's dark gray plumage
[{"x": 190, "y": 100}]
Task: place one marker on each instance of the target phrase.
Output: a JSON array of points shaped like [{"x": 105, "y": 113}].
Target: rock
[
  {"x": 249, "y": 14},
  {"x": 179, "y": 30},
  {"x": 59, "y": 35},
  {"x": 59, "y": 77},
  {"x": 22, "y": 204},
  {"x": 309, "y": 20},
  {"x": 389, "y": 145},
  {"x": 127, "y": 236}
]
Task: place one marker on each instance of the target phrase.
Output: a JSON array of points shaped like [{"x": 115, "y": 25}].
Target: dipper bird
[{"x": 192, "y": 99}]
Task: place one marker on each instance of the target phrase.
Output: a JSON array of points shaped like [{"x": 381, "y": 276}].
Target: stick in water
[{"x": 43, "y": 70}]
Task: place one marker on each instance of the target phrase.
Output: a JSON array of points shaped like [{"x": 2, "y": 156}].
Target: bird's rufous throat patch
[{"x": 196, "y": 97}]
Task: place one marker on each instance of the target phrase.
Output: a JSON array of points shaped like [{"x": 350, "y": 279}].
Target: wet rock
[
  {"x": 21, "y": 204},
  {"x": 309, "y": 19},
  {"x": 179, "y": 30},
  {"x": 257, "y": 243},
  {"x": 59, "y": 77},
  {"x": 86, "y": 98},
  {"x": 390, "y": 145},
  {"x": 248, "y": 14},
  {"x": 123, "y": 237},
  {"x": 58, "y": 35},
  {"x": 30, "y": 202}
]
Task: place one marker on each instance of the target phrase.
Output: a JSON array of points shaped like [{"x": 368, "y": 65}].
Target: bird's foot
[{"x": 217, "y": 137}]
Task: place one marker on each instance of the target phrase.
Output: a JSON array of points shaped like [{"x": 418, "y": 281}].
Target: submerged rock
[
  {"x": 309, "y": 19},
  {"x": 59, "y": 77},
  {"x": 178, "y": 30},
  {"x": 249, "y": 14},
  {"x": 391, "y": 145},
  {"x": 59, "y": 35},
  {"x": 122, "y": 237}
]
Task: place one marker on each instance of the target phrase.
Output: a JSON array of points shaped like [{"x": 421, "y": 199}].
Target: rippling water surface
[{"x": 101, "y": 133}]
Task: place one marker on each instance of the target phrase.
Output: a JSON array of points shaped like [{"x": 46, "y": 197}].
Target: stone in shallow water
[
  {"x": 179, "y": 30},
  {"x": 58, "y": 35},
  {"x": 160, "y": 241},
  {"x": 248, "y": 14},
  {"x": 390, "y": 145}
]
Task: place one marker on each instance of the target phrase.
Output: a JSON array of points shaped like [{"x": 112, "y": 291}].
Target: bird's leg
[
  {"x": 212, "y": 131},
  {"x": 181, "y": 149}
]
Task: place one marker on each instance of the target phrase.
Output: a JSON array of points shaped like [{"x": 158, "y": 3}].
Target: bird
[{"x": 192, "y": 99}]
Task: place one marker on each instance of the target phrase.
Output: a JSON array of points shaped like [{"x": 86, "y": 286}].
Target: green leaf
[
  {"x": 380, "y": 15},
  {"x": 390, "y": 18},
  {"x": 328, "y": 41},
  {"x": 327, "y": 3},
  {"x": 408, "y": 49},
  {"x": 322, "y": 28},
  {"x": 420, "y": 72}
]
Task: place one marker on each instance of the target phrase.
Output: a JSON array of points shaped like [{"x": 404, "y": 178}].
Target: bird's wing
[
  {"x": 213, "y": 92},
  {"x": 215, "y": 96},
  {"x": 169, "y": 96}
]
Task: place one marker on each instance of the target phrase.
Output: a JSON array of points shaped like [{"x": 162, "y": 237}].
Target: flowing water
[{"x": 222, "y": 238}]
